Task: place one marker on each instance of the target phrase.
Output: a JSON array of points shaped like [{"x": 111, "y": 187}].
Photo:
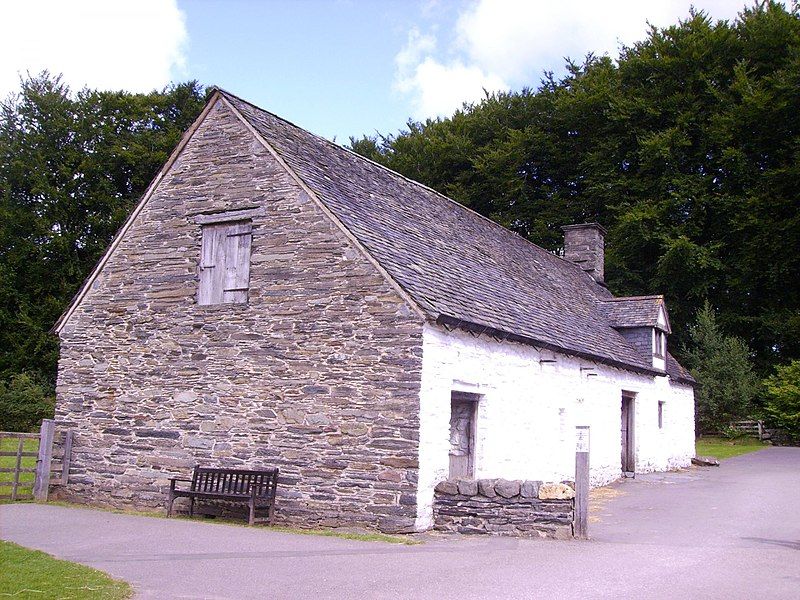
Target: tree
[
  {"x": 783, "y": 399},
  {"x": 24, "y": 401},
  {"x": 685, "y": 149},
  {"x": 726, "y": 382},
  {"x": 71, "y": 168}
]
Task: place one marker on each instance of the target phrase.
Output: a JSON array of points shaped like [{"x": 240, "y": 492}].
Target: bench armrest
[{"x": 174, "y": 480}]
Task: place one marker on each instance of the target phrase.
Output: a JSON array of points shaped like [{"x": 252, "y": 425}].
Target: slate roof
[
  {"x": 677, "y": 371},
  {"x": 459, "y": 267},
  {"x": 635, "y": 311}
]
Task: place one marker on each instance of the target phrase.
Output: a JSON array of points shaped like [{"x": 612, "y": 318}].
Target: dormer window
[
  {"x": 643, "y": 322},
  {"x": 659, "y": 344}
]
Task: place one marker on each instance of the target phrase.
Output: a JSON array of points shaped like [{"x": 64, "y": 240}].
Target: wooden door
[
  {"x": 238, "y": 242},
  {"x": 212, "y": 264},
  {"x": 462, "y": 436},
  {"x": 225, "y": 263},
  {"x": 628, "y": 430}
]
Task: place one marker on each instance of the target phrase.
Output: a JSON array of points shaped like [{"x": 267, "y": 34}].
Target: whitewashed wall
[{"x": 529, "y": 409}]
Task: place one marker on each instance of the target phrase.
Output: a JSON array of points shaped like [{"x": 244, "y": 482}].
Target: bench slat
[
  {"x": 235, "y": 482},
  {"x": 256, "y": 487}
]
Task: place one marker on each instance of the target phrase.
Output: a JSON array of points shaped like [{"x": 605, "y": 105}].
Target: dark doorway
[
  {"x": 628, "y": 434},
  {"x": 463, "y": 412}
]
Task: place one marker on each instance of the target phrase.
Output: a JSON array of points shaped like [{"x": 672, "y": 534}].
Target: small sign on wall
[{"x": 582, "y": 439}]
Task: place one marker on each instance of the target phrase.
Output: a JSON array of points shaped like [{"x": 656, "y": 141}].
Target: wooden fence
[
  {"x": 54, "y": 446},
  {"x": 750, "y": 427},
  {"x": 19, "y": 467}
]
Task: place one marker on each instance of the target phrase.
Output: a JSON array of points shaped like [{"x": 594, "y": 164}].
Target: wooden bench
[{"x": 255, "y": 487}]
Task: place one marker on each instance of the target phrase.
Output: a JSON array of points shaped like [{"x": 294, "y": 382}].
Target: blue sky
[
  {"x": 329, "y": 66},
  {"x": 338, "y": 67}
]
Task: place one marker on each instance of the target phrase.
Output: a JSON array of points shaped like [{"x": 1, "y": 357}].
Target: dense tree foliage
[
  {"x": 687, "y": 149},
  {"x": 721, "y": 364},
  {"x": 24, "y": 401},
  {"x": 71, "y": 168},
  {"x": 783, "y": 399}
]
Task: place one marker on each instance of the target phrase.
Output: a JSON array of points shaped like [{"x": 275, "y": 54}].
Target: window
[
  {"x": 661, "y": 415},
  {"x": 225, "y": 262},
  {"x": 660, "y": 343}
]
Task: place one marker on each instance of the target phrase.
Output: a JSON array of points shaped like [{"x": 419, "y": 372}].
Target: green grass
[
  {"x": 8, "y": 444},
  {"x": 33, "y": 574},
  {"x": 721, "y": 448}
]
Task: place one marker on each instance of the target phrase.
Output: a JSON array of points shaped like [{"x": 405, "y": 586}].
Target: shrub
[
  {"x": 783, "y": 399},
  {"x": 730, "y": 432},
  {"x": 24, "y": 402}
]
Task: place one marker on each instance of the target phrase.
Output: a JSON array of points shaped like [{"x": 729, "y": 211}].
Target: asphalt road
[{"x": 728, "y": 532}]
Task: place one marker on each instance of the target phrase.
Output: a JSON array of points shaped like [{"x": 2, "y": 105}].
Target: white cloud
[
  {"x": 498, "y": 44},
  {"x": 436, "y": 88},
  {"x": 520, "y": 38},
  {"x": 135, "y": 45},
  {"x": 443, "y": 88},
  {"x": 412, "y": 54}
]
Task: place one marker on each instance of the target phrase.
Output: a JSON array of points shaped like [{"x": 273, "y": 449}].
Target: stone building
[{"x": 277, "y": 300}]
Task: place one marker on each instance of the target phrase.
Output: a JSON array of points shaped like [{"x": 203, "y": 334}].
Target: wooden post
[
  {"x": 67, "y": 457},
  {"x": 581, "y": 482},
  {"x": 15, "y": 483},
  {"x": 42, "y": 484}
]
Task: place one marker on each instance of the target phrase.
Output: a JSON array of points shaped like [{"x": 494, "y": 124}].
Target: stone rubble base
[{"x": 505, "y": 507}]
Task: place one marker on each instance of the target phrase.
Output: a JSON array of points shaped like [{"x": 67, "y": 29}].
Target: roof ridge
[
  {"x": 628, "y": 298},
  {"x": 413, "y": 182}
]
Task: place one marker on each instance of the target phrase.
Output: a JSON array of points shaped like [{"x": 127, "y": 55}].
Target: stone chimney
[{"x": 584, "y": 245}]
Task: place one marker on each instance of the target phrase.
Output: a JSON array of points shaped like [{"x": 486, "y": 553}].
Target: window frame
[{"x": 659, "y": 343}]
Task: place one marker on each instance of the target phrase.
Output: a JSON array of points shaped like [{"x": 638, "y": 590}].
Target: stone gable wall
[{"x": 319, "y": 374}]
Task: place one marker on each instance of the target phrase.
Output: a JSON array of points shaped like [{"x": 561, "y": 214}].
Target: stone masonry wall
[
  {"x": 318, "y": 374},
  {"x": 584, "y": 245},
  {"x": 503, "y": 507}
]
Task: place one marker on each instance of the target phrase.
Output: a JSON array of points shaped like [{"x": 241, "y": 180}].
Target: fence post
[
  {"x": 65, "y": 462},
  {"x": 581, "y": 482},
  {"x": 17, "y": 467},
  {"x": 42, "y": 484}
]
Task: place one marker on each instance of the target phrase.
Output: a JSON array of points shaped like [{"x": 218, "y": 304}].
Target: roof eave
[
  {"x": 686, "y": 380},
  {"x": 472, "y": 327},
  {"x": 667, "y": 327}
]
